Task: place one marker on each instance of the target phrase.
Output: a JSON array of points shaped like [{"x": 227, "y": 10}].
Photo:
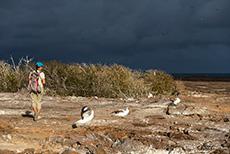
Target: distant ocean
[{"x": 200, "y": 74}]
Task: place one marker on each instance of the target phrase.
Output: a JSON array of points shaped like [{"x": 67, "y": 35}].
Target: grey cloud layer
[{"x": 176, "y": 36}]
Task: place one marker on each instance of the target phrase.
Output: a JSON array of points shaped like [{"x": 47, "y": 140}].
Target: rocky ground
[{"x": 200, "y": 123}]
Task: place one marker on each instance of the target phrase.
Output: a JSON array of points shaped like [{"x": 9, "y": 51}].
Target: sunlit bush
[
  {"x": 89, "y": 80},
  {"x": 159, "y": 82},
  {"x": 13, "y": 77}
]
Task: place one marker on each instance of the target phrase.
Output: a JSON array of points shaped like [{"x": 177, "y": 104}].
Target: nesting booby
[
  {"x": 175, "y": 102},
  {"x": 121, "y": 112},
  {"x": 86, "y": 116}
]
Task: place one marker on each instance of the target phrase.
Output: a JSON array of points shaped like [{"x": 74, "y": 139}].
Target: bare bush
[{"x": 12, "y": 76}]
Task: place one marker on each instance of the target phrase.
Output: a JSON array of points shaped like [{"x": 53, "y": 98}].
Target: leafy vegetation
[{"x": 89, "y": 80}]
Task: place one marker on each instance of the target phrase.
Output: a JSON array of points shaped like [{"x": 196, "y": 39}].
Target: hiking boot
[{"x": 36, "y": 116}]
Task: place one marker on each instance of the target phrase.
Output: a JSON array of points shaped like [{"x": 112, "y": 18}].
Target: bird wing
[
  {"x": 118, "y": 111},
  {"x": 79, "y": 122},
  {"x": 89, "y": 117},
  {"x": 177, "y": 100},
  {"x": 85, "y": 114}
]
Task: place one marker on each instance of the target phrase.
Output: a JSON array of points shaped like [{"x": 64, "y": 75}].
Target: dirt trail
[{"x": 199, "y": 123}]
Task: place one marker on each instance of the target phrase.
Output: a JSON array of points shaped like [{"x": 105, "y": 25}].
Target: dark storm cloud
[{"x": 172, "y": 35}]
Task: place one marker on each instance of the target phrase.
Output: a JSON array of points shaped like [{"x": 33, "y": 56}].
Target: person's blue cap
[{"x": 39, "y": 64}]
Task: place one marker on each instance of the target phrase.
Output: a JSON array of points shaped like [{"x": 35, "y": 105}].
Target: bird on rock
[
  {"x": 86, "y": 116},
  {"x": 121, "y": 112},
  {"x": 175, "y": 102}
]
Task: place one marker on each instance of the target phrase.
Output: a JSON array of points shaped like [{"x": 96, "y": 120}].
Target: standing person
[{"x": 37, "y": 79}]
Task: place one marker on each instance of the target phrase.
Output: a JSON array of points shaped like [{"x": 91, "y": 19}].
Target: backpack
[{"x": 33, "y": 83}]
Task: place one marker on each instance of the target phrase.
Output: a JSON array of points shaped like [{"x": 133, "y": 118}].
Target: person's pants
[{"x": 36, "y": 100}]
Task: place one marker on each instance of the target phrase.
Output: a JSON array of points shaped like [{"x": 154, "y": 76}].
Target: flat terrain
[{"x": 200, "y": 123}]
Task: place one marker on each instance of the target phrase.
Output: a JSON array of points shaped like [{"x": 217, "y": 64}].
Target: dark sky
[{"x": 176, "y": 36}]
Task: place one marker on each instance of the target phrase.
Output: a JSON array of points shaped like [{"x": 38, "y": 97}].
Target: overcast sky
[{"x": 176, "y": 36}]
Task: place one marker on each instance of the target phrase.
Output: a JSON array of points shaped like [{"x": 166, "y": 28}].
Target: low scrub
[{"x": 88, "y": 80}]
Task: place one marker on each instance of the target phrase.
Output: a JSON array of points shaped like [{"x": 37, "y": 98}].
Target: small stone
[
  {"x": 226, "y": 120},
  {"x": 29, "y": 151},
  {"x": 70, "y": 152},
  {"x": 9, "y": 137},
  {"x": 39, "y": 151},
  {"x": 46, "y": 145},
  {"x": 7, "y": 152}
]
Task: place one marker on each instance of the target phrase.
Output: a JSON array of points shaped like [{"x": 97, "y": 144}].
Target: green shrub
[
  {"x": 73, "y": 79},
  {"x": 9, "y": 78},
  {"x": 159, "y": 82}
]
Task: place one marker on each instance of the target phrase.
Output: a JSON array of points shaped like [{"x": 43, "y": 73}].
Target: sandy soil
[{"x": 198, "y": 124}]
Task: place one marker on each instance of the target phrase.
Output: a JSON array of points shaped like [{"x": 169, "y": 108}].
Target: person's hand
[{"x": 43, "y": 81}]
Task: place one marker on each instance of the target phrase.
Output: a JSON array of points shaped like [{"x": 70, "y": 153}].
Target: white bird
[
  {"x": 150, "y": 95},
  {"x": 86, "y": 116},
  {"x": 121, "y": 112},
  {"x": 175, "y": 102}
]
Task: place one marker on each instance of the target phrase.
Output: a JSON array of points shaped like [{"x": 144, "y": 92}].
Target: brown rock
[
  {"x": 38, "y": 151},
  {"x": 155, "y": 117},
  {"x": 7, "y": 152},
  {"x": 226, "y": 144},
  {"x": 5, "y": 128},
  {"x": 100, "y": 150},
  {"x": 226, "y": 120},
  {"x": 69, "y": 152},
  {"x": 177, "y": 110},
  {"x": 218, "y": 151},
  {"x": 46, "y": 145},
  {"x": 29, "y": 151},
  {"x": 140, "y": 124},
  {"x": 179, "y": 136},
  {"x": 49, "y": 152}
]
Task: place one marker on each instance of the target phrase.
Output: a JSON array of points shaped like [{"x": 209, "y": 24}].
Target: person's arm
[
  {"x": 30, "y": 76},
  {"x": 42, "y": 75},
  {"x": 44, "y": 81}
]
